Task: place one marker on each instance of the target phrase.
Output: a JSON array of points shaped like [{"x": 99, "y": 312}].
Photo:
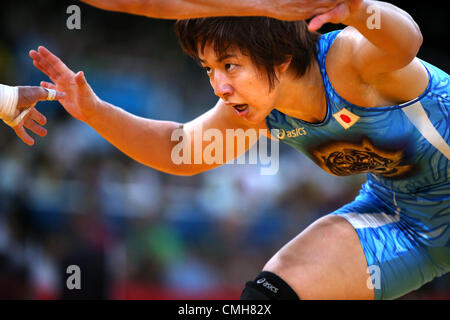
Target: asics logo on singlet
[
  {"x": 267, "y": 285},
  {"x": 282, "y": 134}
]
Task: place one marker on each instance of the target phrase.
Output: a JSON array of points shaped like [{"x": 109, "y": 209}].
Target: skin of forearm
[
  {"x": 398, "y": 33},
  {"x": 114, "y": 5},
  {"x": 144, "y": 140},
  {"x": 185, "y": 9}
]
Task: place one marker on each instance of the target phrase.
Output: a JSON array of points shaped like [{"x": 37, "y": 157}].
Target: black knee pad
[{"x": 268, "y": 286}]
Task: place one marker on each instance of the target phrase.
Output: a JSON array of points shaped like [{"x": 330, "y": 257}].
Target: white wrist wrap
[{"x": 9, "y": 96}]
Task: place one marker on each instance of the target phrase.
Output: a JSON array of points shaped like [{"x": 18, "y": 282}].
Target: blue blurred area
[{"x": 138, "y": 233}]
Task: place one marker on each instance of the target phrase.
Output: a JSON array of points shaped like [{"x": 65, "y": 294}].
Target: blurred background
[{"x": 136, "y": 233}]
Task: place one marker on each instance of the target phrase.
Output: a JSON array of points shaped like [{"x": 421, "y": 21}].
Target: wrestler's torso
[{"x": 402, "y": 147}]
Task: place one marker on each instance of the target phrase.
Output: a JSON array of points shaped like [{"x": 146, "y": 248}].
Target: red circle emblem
[{"x": 345, "y": 118}]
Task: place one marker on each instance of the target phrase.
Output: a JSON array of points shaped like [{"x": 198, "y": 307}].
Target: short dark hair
[{"x": 269, "y": 42}]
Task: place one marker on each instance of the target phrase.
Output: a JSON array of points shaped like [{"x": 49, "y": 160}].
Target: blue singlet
[{"x": 402, "y": 212}]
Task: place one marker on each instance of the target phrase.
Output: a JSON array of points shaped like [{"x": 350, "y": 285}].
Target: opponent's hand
[
  {"x": 33, "y": 121},
  {"x": 341, "y": 11},
  {"x": 29, "y": 96},
  {"x": 79, "y": 100},
  {"x": 24, "y": 115},
  {"x": 321, "y": 11}
]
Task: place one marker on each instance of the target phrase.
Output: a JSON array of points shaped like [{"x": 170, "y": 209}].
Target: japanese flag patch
[{"x": 346, "y": 118}]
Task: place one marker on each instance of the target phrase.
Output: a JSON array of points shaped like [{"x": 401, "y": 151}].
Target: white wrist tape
[
  {"x": 9, "y": 96},
  {"x": 14, "y": 122}
]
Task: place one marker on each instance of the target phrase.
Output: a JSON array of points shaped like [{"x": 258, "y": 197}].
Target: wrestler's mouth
[{"x": 241, "y": 109}]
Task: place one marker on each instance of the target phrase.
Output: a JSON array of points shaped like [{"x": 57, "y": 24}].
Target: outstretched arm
[
  {"x": 147, "y": 141},
  {"x": 186, "y": 9},
  {"x": 150, "y": 142}
]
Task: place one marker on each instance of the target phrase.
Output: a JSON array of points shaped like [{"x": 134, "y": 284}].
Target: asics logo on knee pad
[
  {"x": 267, "y": 285},
  {"x": 261, "y": 280}
]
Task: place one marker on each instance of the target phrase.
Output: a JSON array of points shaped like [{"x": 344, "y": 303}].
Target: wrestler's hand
[{"x": 79, "y": 100}]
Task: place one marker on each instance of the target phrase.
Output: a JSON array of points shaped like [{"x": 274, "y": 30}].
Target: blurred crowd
[{"x": 136, "y": 233}]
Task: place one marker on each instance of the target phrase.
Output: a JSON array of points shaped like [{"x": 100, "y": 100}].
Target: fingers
[
  {"x": 38, "y": 117},
  {"x": 40, "y": 94},
  {"x": 48, "y": 85},
  {"x": 83, "y": 86},
  {"x": 321, "y": 7},
  {"x": 58, "y": 95},
  {"x": 319, "y": 11},
  {"x": 49, "y": 64},
  {"x": 337, "y": 14},
  {"x": 29, "y": 96},
  {"x": 40, "y": 63},
  {"x": 53, "y": 60},
  {"x": 23, "y": 135},
  {"x": 80, "y": 80},
  {"x": 44, "y": 94},
  {"x": 34, "y": 127},
  {"x": 33, "y": 121}
]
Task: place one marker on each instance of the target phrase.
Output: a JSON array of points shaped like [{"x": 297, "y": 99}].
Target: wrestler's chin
[{"x": 255, "y": 117}]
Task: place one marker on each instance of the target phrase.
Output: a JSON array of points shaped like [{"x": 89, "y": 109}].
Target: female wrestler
[{"x": 364, "y": 104}]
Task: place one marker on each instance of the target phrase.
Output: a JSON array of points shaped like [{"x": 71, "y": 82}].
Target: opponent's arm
[
  {"x": 150, "y": 142},
  {"x": 186, "y": 9}
]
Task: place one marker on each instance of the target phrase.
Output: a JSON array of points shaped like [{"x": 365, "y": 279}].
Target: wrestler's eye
[
  {"x": 230, "y": 66},
  {"x": 208, "y": 70}
]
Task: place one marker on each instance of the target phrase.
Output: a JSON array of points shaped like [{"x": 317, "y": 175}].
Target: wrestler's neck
[{"x": 302, "y": 98}]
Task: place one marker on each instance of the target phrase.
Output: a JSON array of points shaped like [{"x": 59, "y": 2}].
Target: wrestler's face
[{"x": 239, "y": 83}]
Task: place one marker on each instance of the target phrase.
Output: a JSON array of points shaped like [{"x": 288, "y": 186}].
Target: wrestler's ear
[{"x": 284, "y": 66}]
